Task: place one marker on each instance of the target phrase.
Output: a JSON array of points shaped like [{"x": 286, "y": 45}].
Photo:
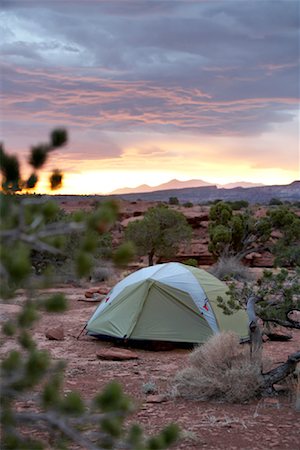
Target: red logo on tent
[
  {"x": 206, "y": 306},
  {"x": 106, "y": 300}
]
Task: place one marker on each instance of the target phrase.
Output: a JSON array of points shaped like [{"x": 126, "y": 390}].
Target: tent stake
[{"x": 81, "y": 331}]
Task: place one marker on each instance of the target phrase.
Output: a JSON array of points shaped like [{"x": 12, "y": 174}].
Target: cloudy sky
[{"x": 151, "y": 90}]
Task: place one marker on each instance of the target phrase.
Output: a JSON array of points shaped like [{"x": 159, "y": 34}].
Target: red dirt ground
[{"x": 270, "y": 423}]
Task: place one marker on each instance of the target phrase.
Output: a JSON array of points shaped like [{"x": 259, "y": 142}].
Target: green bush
[
  {"x": 173, "y": 201},
  {"x": 191, "y": 262},
  {"x": 188, "y": 204}
]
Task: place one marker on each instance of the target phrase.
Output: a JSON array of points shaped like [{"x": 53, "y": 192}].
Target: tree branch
[
  {"x": 284, "y": 323},
  {"x": 280, "y": 372},
  {"x": 255, "y": 333},
  {"x": 57, "y": 422}
]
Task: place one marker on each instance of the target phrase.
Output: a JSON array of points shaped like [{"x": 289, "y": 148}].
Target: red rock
[
  {"x": 56, "y": 334},
  {"x": 116, "y": 354},
  {"x": 277, "y": 333},
  {"x": 156, "y": 398},
  {"x": 103, "y": 290},
  {"x": 94, "y": 298},
  {"x": 88, "y": 294}
]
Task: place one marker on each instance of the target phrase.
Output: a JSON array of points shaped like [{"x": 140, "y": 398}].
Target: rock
[
  {"x": 277, "y": 333},
  {"x": 156, "y": 398},
  {"x": 94, "y": 298},
  {"x": 116, "y": 354},
  {"x": 55, "y": 334},
  {"x": 90, "y": 292},
  {"x": 93, "y": 292},
  {"x": 103, "y": 290}
]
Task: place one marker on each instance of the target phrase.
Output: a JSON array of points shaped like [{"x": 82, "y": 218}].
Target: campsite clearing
[{"x": 270, "y": 423}]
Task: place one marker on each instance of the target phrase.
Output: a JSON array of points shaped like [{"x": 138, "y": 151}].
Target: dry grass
[
  {"x": 230, "y": 267},
  {"x": 221, "y": 370}
]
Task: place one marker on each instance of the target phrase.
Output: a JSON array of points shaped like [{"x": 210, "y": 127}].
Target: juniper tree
[
  {"x": 235, "y": 234},
  {"x": 273, "y": 298},
  {"x": 28, "y": 372},
  {"x": 159, "y": 233}
]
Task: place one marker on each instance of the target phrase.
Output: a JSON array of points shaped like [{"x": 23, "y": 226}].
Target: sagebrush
[
  {"x": 230, "y": 267},
  {"x": 220, "y": 369}
]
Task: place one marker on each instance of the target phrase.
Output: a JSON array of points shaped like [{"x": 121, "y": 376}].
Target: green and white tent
[{"x": 166, "y": 302}]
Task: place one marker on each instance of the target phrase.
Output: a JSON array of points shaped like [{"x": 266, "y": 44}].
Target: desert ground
[
  {"x": 260, "y": 424},
  {"x": 265, "y": 423}
]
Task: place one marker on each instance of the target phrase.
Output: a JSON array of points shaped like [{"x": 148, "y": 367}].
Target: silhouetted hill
[
  {"x": 200, "y": 195},
  {"x": 244, "y": 184},
  {"x": 172, "y": 184},
  {"x": 258, "y": 194}
]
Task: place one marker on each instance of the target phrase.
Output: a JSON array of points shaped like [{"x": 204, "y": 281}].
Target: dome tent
[{"x": 167, "y": 302}]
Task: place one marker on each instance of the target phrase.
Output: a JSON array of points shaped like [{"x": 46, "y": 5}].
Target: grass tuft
[
  {"x": 230, "y": 267},
  {"x": 220, "y": 369}
]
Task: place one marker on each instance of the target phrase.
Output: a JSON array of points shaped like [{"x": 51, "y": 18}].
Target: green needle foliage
[
  {"x": 51, "y": 418},
  {"x": 235, "y": 234},
  {"x": 12, "y": 180},
  {"x": 277, "y": 296},
  {"x": 240, "y": 233},
  {"x": 159, "y": 233}
]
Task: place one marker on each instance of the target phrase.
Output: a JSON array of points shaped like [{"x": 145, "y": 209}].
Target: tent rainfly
[{"x": 167, "y": 302}]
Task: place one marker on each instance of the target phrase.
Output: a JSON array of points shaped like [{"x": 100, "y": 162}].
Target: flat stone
[
  {"x": 103, "y": 290},
  {"x": 156, "y": 398},
  {"x": 55, "y": 334},
  {"x": 116, "y": 354},
  {"x": 88, "y": 294},
  {"x": 93, "y": 298}
]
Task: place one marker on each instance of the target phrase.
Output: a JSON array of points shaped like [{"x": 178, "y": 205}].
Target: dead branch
[
  {"x": 255, "y": 332},
  {"x": 288, "y": 323},
  {"x": 279, "y": 373}
]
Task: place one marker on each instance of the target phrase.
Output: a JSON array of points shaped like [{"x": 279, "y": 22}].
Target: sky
[{"x": 151, "y": 90}]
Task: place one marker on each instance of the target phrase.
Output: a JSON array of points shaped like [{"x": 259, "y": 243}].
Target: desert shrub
[
  {"x": 239, "y": 204},
  {"x": 101, "y": 273},
  {"x": 149, "y": 388},
  {"x": 231, "y": 267},
  {"x": 275, "y": 202},
  {"x": 220, "y": 369},
  {"x": 62, "y": 264},
  {"x": 173, "y": 201},
  {"x": 190, "y": 262},
  {"x": 188, "y": 204}
]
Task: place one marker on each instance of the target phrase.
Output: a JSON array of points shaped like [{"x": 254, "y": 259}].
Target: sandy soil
[{"x": 269, "y": 423}]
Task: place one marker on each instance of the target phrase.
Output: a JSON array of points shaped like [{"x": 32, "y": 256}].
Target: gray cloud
[{"x": 220, "y": 68}]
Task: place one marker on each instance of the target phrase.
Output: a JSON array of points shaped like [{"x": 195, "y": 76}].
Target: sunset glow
[{"x": 154, "y": 90}]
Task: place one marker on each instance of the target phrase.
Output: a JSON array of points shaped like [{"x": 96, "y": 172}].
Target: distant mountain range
[
  {"x": 177, "y": 184},
  {"x": 208, "y": 193}
]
